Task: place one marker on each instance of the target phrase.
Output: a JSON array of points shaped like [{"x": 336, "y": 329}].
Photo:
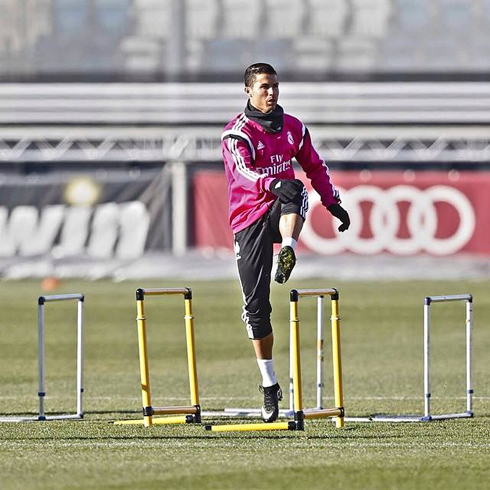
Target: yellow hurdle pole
[
  {"x": 191, "y": 354},
  {"x": 252, "y": 427},
  {"x": 295, "y": 346},
  {"x": 337, "y": 359},
  {"x": 143, "y": 357}
]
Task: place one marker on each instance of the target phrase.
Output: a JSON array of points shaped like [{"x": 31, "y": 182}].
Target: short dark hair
[{"x": 256, "y": 69}]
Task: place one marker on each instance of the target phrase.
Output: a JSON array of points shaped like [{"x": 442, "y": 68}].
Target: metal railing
[
  {"x": 379, "y": 144},
  {"x": 362, "y": 122}
]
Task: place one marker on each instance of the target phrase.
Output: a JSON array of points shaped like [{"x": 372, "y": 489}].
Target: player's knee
[
  {"x": 298, "y": 205},
  {"x": 256, "y": 316},
  {"x": 300, "y": 188},
  {"x": 259, "y": 331},
  {"x": 258, "y": 326}
]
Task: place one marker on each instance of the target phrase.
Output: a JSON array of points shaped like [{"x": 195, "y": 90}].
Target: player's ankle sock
[
  {"x": 266, "y": 367},
  {"x": 289, "y": 241}
]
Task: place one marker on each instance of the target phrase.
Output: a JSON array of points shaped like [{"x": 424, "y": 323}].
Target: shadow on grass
[
  {"x": 91, "y": 412},
  {"x": 19, "y": 414}
]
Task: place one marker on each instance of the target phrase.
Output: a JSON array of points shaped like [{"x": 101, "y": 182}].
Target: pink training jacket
[{"x": 253, "y": 158}]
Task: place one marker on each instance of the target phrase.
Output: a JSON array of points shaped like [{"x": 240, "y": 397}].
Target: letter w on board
[{"x": 105, "y": 231}]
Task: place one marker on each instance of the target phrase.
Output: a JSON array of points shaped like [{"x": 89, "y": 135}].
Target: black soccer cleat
[
  {"x": 272, "y": 397},
  {"x": 286, "y": 261}
]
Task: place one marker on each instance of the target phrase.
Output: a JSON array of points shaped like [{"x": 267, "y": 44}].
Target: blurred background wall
[
  {"x": 212, "y": 40},
  {"x": 111, "y": 113}
]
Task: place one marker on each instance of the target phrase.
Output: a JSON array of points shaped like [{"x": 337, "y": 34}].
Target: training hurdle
[
  {"x": 185, "y": 414},
  {"x": 468, "y": 299},
  {"x": 297, "y": 411},
  {"x": 320, "y": 327},
  {"x": 428, "y": 416},
  {"x": 41, "y": 360}
]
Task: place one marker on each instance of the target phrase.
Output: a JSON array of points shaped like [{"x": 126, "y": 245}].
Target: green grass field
[{"x": 383, "y": 373}]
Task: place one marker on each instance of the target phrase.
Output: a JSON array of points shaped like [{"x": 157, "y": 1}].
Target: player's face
[{"x": 264, "y": 92}]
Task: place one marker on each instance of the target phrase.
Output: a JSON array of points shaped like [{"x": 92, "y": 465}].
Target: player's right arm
[{"x": 239, "y": 156}]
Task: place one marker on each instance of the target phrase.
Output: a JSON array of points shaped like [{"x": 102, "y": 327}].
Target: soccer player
[{"x": 267, "y": 205}]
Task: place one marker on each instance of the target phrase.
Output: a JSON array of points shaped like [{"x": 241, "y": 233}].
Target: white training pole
[
  {"x": 319, "y": 352},
  {"x": 449, "y": 297},
  {"x": 41, "y": 354},
  {"x": 469, "y": 385},
  {"x": 40, "y": 359},
  {"x": 469, "y": 323},
  {"x": 61, "y": 297},
  {"x": 80, "y": 358},
  {"x": 426, "y": 356}
]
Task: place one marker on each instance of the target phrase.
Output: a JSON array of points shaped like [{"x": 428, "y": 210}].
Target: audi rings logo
[{"x": 385, "y": 220}]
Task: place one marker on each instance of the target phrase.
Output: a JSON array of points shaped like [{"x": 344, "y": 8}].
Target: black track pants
[{"x": 254, "y": 254}]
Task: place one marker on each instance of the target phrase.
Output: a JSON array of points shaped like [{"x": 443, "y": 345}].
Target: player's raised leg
[
  {"x": 293, "y": 214},
  {"x": 290, "y": 226}
]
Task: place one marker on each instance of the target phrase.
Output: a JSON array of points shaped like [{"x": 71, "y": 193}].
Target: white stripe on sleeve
[
  {"x": 240, "y": 162},
  {"x": 303, "y": 132}
]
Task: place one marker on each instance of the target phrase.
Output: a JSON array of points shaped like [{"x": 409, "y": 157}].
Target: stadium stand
[
  {"x": 142, "y": 49},
  {"x": 129, "y": 38},
  {"x": 201, "y": 26},
  {"x": 241, "y": 19},
  {"x": 20, "y": 30},
  {"x": 284, "y": 19},
  {"x": 327, "y": 18},
  {"x": 308, "y": 41}
]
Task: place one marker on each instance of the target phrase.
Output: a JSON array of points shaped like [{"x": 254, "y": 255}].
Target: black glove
[
  {"x": 339, "y": 212},
  {"x": 286, "y": 190}
]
